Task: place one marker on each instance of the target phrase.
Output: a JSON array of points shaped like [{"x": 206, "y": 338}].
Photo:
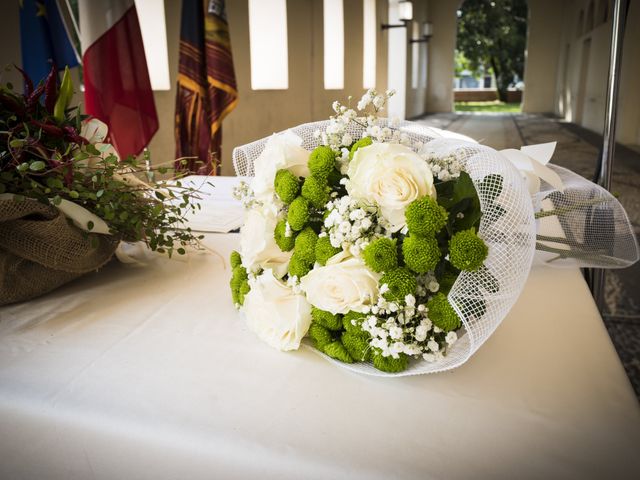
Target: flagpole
[{"x": 618, "y": 21}]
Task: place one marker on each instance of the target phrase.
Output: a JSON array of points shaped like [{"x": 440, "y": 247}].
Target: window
[
  {"x": 370, "y": 30},
  {"x": 154, "y": 38},
  {"x": 268, "y": 44},
  {"x": 333, "y": 19}
]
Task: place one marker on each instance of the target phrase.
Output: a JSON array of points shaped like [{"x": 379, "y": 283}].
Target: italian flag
[{"x": 116, "y": 79}]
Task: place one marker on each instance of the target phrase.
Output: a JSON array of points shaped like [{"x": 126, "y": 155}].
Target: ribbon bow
[{"x": 531, "y": 161}]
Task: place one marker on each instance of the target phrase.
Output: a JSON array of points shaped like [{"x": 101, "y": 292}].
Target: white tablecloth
[{"x": 149, "y": 373}]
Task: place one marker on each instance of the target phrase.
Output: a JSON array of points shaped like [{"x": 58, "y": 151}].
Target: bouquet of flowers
[
  {"x": 395, "y": 249},
  {"x": 67, "y": 199}
]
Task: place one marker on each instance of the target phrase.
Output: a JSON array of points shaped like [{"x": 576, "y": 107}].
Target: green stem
[{"x": 563, "y": 210}]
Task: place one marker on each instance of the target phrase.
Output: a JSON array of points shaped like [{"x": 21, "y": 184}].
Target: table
[{"x": 149, "y": 373}]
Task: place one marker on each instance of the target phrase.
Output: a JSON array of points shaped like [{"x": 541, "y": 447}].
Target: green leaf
[
  {"x": 74, "y": 194},
  {"x": 17, "y": 143},
  {"x": 64, "y": 96},
  {"x": 181, "y": 251},
  {"x": 90, "y": 225},
  {"x": 57, "y": 200},
  {"x": 23, "y": 167},
  {"x": 99, "y": 193},
  {"x": 37, "y": 166},
  {"x": 491, "y": 186}
]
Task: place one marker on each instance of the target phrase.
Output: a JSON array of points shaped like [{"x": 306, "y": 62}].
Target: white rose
[
  {"x": 275, "y": 313},
  {"x": 258, "y": 246},
  {"x": 391, "y": 176},
  {"x": 282, "y": 150},
  {"x": 343, "y": 284}
]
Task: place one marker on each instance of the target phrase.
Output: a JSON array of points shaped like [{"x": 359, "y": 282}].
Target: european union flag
[{"x": 44, "y": 39}]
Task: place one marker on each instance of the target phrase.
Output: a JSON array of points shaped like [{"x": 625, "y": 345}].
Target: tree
[{"x": 493, "y": 33}]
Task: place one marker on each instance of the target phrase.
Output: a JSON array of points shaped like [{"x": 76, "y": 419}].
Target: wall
[
  {"x": 544, "y": 33},
  {"x": 442, "y": 14},
  {"x": 262, "y": 112},
  {"x": 579, "y": 76},
  {"x": 417, "y": 54}
]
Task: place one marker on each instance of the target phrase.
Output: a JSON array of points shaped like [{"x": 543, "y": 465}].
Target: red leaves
[{"x": 51, "y": 90}]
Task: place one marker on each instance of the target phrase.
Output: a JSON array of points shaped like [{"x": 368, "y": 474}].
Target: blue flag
[{"x": 44, "y": 39}]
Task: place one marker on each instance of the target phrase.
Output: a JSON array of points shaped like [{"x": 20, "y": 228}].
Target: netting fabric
[
  {"x": 582, "y": 226},
  {"x": 507, "y": 227}
]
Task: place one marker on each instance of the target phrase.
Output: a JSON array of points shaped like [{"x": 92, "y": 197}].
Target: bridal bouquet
[{"x": 393, "y": 248}]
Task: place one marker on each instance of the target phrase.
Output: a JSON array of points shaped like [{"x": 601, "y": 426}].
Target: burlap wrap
[{"x": 41, "y": 250}]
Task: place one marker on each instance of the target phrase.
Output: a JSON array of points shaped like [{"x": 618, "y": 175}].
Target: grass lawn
[{"x": 495, "y": 106}]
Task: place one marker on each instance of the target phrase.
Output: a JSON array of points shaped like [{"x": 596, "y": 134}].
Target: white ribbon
[{"x": 531, "y": 161}]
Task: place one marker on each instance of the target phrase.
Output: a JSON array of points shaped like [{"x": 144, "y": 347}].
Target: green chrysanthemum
[
  {"x": 235, "y": 259},
  {"x": 363, "y": 142},
  {"x": 421, "y": 254},
  {"x": 338, "y": 351},
  {"x": 401, "y": 282},
  {"x": 352, "y": 322},
  {"x": 322, "y": 161},
  {"x": 299, "y": 266},
  {"x": 316, "y": 190},
  {"x": 326, "y": 319},
  {"x": 441, "y": 313},
  {"x": 320, "y": 335},
  {"x": 390, "y": 364},
  {"x": 357, "y": 346},
  {"x": 279, "y": 234},
  {"x": 298, "y": 215},
  {"x": 381, "y": 255},
  {"x": 425, "y": 217},
  {"x": 467, "y": 251},
  {"x": 305, "y": 245},
  {"x": 239, "y": 284},
  {"x": 324, "y": 250},
  {"x": 287, "y": 186}
]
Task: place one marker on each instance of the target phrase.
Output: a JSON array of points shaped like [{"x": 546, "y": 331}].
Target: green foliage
[
  {"x": 390, "y": 364},
  {"x": 316, "y": 190},
  {"x": 44, "y": 157},
  {"x": 322, "y": 161},
  {"x": 441, "y": 313},
  {"x": 425, "y": 217},
  {"x": 357, "y": 346},
  {"x": 279, "y": 234},
  {"x": 298, "y": 215},
  {"x": 401, "y": 282},
  {"x": 324, "y": 250},
  {"x": 494, "y": 34},
  {"x": 337, "y": 351},
  {"x": 381, "y": 255},
  {"x": 495, "y": 106},
  {"x": 421, "y": 254},
  {"x": 363, "y": 142},
  {"x": 326, "y": 319},
  {"x": 467, "y": 251},
  {"x": 460, "y": 198},
  {"x": 287, "y": 186},
  {"x": 305, "y": 245}
]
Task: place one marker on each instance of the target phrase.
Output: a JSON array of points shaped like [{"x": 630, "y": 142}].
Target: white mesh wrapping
[
  {"x": 510, "y": 237},
  {"x": 588, "y": 222}
]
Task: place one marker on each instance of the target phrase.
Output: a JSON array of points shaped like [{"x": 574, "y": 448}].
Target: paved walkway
[{"x": 577, "y": 149}]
